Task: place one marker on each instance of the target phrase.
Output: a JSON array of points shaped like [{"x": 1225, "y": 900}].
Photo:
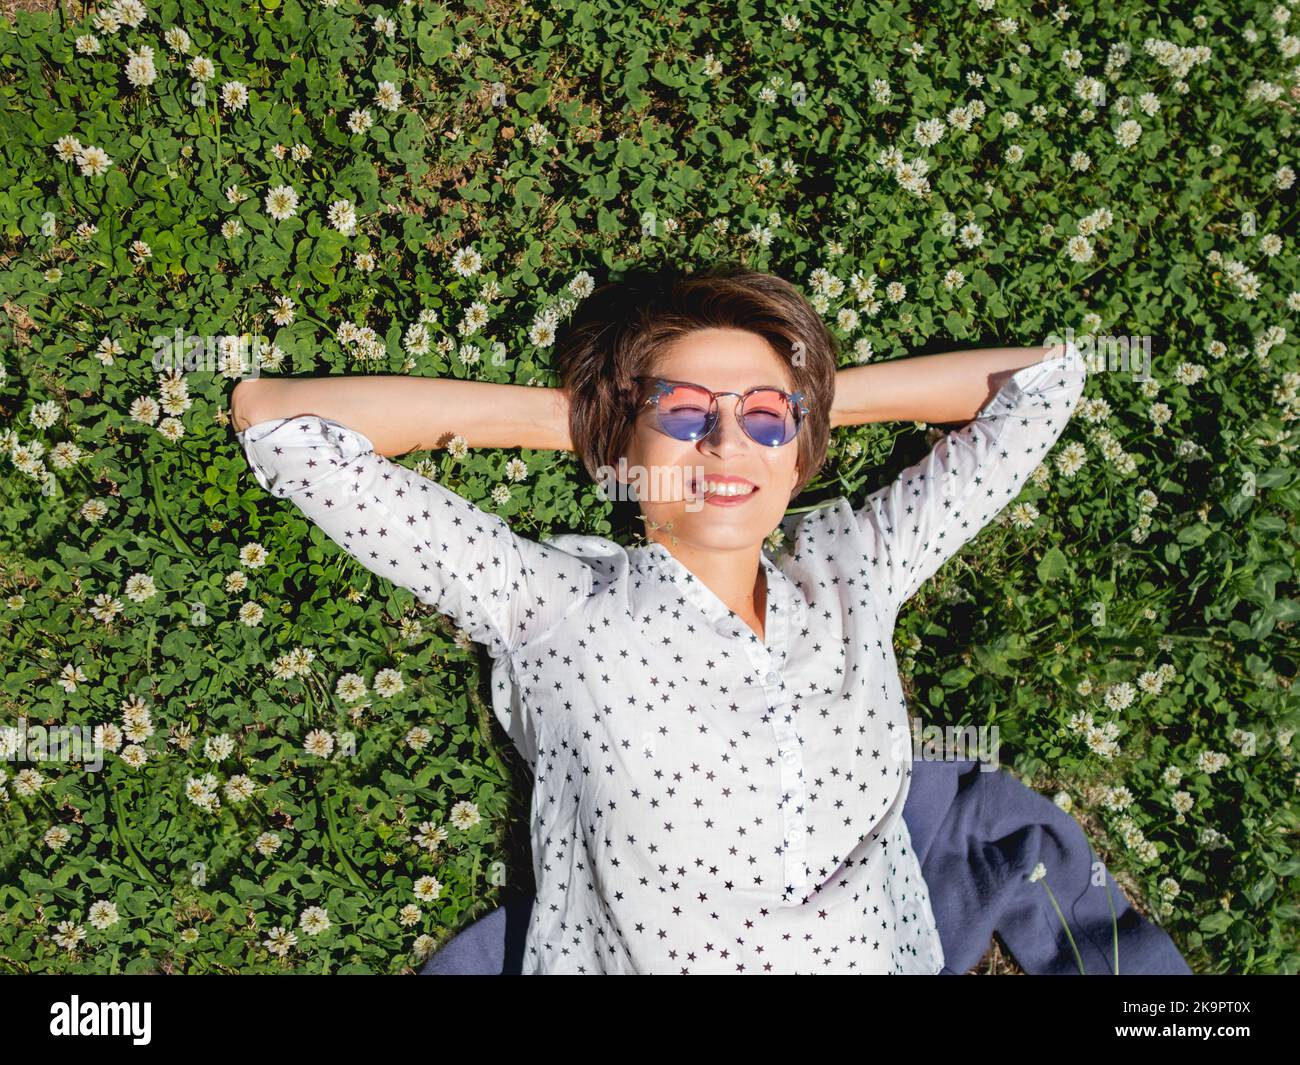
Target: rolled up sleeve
[
  {"x": 504, "y": 590},
  {"x": 937, "y": 505}
]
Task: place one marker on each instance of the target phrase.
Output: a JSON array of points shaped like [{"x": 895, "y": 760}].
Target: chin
[{"x": 705, "y": 530}]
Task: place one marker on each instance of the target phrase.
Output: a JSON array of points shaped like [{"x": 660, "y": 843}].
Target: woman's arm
[
  {"x": 939, "y": 389},
  {"x": 502, "y": 588},
  {"x": 934, "y": 507},
  {"x": 399, "y": 413}
]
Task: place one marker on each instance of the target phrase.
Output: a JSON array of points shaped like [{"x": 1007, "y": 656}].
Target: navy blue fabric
[{"x": 978, "y": 835}]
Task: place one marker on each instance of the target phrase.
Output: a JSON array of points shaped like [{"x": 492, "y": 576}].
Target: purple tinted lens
[
  {"x": 769, "y": 419},
  {"x": 684, "y": 412}
]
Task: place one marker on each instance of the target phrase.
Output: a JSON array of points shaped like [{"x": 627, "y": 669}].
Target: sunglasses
[{"x": 686, "y": 411}]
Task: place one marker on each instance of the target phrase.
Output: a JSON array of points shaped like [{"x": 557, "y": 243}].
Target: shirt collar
[{"x": 663, "y": 572}]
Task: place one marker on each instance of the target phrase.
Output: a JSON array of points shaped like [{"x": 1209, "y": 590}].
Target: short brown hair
[{"x": 623, "y": 327}]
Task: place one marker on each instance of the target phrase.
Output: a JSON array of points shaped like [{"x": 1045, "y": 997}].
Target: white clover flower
[
  {"x": 70, "y": 676},
  {"x": 106, "y": 20},
  {"x": 94, "y": 510},
  {"x": 1119, "y": 696},
  {"x": 102, "y": 914},
  {"x": 202, "y": 792},
  {"x": 1128, "y": 132},
  {"x": 177, "y": 40},
  {"x": 217, "y": 748},
  {"x": 465, "y": 815},
  {"x": 342, "y": 216},
  {"x": 130, "y": 12},
  {"x": 427, "y": 889},
  {"x": 140, "y": 69},
  {"x": 68, "y": 934},
  {"x": 350, "y": 687},
  {"x": 234, "y": 94},
  {"x": 1079, "y": 249},
  {"x": 67, "y": 148},
  {"x": 318, "y": 742},
  {"x": 280, "y": 941},
  {"x": 106, "y": 608},
  {"x": 284, "y": 310},
  {"x": 26, "y": 783},
  {"x": 929, "y": 133},
  {"x": 93, "y": 161},
  {"x": 971, "y": 235},
  {"x": 139, "y": 587},
  {"x": 267, "y": 843},
  {"x": 1211, "y": 761},
  {"x": 43, "y": 415},
  {"x": 418, "y": 737},
  {"x": 415, "y": 341},
  {"x": 466, "y": 262},
  {"x": 388, "y": 682},
  {"x": 239, "y": 788},
  {"x": 388, "y": 96},
  {"x": 1023, "y": 515},
  {"x": 281, "y": 202}
]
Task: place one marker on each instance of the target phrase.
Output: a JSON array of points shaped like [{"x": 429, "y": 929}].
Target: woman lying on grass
[{"x": 717, "y": 731}]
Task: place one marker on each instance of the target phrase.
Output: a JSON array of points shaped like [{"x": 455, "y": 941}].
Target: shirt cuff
[{"x": 286, "y": 454}]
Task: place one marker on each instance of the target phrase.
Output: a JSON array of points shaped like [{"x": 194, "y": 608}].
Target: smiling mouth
[{"x": 722, "y": 489}]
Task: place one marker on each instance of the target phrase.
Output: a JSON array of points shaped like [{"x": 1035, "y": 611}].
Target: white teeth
[{"x": 713, "y": 488}]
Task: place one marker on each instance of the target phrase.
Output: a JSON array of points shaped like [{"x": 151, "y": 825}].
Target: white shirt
[{"x": 703, "y": 801}]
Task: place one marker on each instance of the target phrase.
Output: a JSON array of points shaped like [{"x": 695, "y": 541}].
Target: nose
[{"x": 727, "y": 437}]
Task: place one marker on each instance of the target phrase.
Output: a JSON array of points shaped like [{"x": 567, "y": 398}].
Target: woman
[{"x": 718, "y": 735}]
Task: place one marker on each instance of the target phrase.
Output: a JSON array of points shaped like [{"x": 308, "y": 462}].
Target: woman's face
[{"x": 667, "y": 471}]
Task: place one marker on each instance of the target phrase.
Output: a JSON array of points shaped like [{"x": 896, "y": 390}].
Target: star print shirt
[{"x": 704, "y": 801}]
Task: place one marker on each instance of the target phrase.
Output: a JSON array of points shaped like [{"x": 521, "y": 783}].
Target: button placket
[
  {"x": 789, "y": 751},
  {"x": 790, "y": 759}
]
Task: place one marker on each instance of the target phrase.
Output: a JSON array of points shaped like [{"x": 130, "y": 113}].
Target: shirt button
[
  {"x": 773, "y": 677},
  {"x": 788, "y": 758},
  {"x": 793, "y": 835}
]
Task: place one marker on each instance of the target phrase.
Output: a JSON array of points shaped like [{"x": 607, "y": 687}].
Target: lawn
[{"x": 300, "y": 771}]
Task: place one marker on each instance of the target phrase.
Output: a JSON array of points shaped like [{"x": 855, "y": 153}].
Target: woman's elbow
[{"x": 243, "y": 404}]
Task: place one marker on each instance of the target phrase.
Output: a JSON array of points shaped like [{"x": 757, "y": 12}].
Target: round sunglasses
[{"x": 686, "y": 411}]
